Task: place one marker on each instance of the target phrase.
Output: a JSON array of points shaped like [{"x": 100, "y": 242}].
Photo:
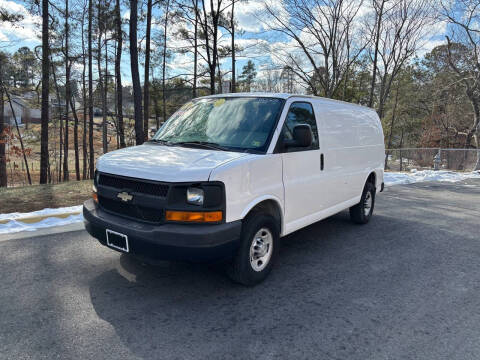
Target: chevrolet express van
[{"x": 228, "y": 175}]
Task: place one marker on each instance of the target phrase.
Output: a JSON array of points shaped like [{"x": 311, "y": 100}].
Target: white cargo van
[{"x": 228, "y": 175}]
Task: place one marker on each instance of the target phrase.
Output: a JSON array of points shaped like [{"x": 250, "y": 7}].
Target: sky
[{"x": 258, "y": 43}]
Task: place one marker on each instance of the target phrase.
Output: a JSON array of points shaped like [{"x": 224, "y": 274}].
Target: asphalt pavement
[{"x": 405, "y": 286}]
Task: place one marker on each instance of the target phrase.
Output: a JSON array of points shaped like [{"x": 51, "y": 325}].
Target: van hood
[{"x": 164, "y": 163}]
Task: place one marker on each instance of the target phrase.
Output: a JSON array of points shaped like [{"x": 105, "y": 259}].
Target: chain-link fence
[{"x": 432, "y": 158}]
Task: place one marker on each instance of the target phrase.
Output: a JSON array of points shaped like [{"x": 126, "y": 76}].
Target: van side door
[{"x": 302, "y": 173}]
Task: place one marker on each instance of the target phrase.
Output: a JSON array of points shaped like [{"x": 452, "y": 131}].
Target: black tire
[
  {"x": 240, "y": 269},
  {"x": 358, "y": 213}
]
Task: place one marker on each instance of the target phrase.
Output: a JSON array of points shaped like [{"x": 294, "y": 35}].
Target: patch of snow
[
  {"x": 398, "y": 178},
  {"x": 47, "y": 211},
  {"x": 14, "y": 226}
]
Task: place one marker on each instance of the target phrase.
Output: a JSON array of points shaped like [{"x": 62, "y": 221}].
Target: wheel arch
[
  {"x": 372, "y": 178},
  {"x": 268, "y": 204}
]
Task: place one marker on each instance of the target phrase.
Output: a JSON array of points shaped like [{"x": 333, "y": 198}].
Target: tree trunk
[
  {"x": 232, "y": 24},
  {"x": 384, "y": 91},
  {"x": 164, "y": 66},
  {"x": 401, "y": 145},
  {"x": 219, "y": 77},
  {"x": 157, "y": 113},
  {"x": 137, "y": 90},
  {"x": 3, "y": 155},
  {"x": 90, "y": 91},
  {"x": 67, "y": 97},
  {"x": 84, "y": 96},
  {"x": 60, "y": 122},
  {"x": 146, "y": 83},
  {"x": 390, "y": 135},
  {"x": 214, "y": 47},
  {"x": 375, "y": 57},
  {"x": 45, "y": 95},
  {"x": 18, "y": 133},
  {"x": 75, "y": 139},
  {"x": 101, "y": 82},
  {"x": 104, "y": 100},
  {"x": 476, "y": 132},
  {"x": 118, "y": 75},
  {"x": 195, "y": 50},
  {"x": 210, "y": 50}
]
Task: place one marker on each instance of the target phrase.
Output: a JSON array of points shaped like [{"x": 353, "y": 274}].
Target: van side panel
[
  {"x": 250, "y": 180},
  {"x": 352, "y": 139}
]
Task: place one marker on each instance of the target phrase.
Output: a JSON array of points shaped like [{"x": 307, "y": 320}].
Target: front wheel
[
  {"x": 362, "y": 212},
  {"x": 258, "y": 250}
]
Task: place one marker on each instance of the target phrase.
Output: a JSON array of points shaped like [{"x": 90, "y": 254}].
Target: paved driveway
[{"x": 406, "y": 286}]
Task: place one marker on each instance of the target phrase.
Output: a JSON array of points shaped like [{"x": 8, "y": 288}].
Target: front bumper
[{"x": 187, "y": 242}]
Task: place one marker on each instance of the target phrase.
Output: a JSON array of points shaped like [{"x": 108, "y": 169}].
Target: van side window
[{"x": 300, "y": 113}]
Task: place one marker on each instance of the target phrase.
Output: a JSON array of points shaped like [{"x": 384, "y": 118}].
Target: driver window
[{"x": 300, "y": 113}]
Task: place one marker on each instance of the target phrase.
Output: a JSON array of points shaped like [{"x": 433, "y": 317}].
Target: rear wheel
[
  {"x": 363, "y": 211},
  {"x": 258, "y": 250}
]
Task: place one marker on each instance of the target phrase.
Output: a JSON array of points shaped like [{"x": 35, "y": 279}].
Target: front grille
[
  {"x": 134, "y": 211},
  {"x": 135, "y": 185}
]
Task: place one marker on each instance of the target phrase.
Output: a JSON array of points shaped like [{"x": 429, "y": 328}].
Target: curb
[{"x": 35, "y": 219}]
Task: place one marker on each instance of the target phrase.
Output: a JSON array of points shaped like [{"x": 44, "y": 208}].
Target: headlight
[{"x": 195, "y": 196}]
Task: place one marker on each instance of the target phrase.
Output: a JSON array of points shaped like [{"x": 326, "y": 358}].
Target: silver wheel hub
[
  {"x": 261, "y": 249},
  {"x": 367, "y": 203}
]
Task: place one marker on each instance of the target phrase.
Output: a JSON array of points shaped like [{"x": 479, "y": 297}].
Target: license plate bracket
[{"x": 117, "y": 240}]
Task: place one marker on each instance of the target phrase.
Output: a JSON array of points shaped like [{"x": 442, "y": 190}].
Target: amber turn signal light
[
  {"x": 194, "y": 216},
  {"x": 95, "y": 197}
]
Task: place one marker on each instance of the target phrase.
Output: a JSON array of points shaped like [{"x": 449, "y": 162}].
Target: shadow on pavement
[{"x": 332, "y": 279}]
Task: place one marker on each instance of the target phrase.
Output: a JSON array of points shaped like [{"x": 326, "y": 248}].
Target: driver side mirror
[{"x": 302, "y": 136}]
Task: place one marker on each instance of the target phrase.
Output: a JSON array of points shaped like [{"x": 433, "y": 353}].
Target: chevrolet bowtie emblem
[{"x": 124, "y": 196}]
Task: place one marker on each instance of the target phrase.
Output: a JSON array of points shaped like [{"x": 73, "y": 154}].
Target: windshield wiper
[
  {"x": 204, "y": 144},
  {"x": 159, "y": 141}
]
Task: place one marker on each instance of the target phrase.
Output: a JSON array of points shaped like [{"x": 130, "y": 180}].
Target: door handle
[{"x": 322, "y": 162}]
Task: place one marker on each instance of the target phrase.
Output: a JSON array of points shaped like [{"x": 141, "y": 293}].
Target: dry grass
[{"x": 37, "y": 197}]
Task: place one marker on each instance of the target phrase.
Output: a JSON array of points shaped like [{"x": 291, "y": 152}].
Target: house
[{"x": 23, "y": 112}]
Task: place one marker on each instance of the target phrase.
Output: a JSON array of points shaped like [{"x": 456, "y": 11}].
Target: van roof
[{"x": 284, "y": 96}]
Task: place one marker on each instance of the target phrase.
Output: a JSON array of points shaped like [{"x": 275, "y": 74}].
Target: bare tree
[
  {"x": 189, "y": 14},
  {"x": 379, "y": 7},
  {"x": 209, "y": 23},
  {"x": 146, "y": 83},
  {"x": 232, "y": 35},
  {"x": 325, "y": 41},
  {"x": 403, "y": 33},
  {"x": 228, "y": 23},
  {"x": 118, "y": 73},
  {"x": 67, "y": 94},
  {"x": 164, "y": 60},
  {"x": 195, "y": 48},
  {"x": 102, "y": 76},
  {"x": 84, "y": 94},
  {"x": 464, "y": 16},
  {"x": 45, "y": 95},
  {"x": 19, "y": 135},
  {"x": 90, "y": 90},
  {"x": 75, "y": 139},
  {"x": 3, "y": 155},
  {"x": 137, "y": 90}
]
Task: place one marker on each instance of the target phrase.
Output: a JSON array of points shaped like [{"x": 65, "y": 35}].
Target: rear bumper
[{"x": 188, "y": 242}]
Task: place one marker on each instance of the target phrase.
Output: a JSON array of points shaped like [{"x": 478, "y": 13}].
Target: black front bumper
[{"x": 188, "y": 242}]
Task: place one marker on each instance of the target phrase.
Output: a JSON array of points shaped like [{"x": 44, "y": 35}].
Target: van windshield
[{"x": 228, "y": 123}]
